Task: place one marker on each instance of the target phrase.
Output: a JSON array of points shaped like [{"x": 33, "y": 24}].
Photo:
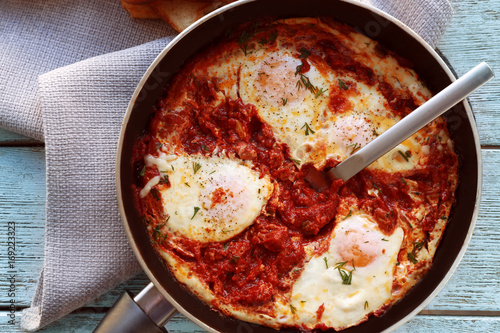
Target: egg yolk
[
  {"x": 356, "y": 249},
  {"x": 277, "y": 81}
]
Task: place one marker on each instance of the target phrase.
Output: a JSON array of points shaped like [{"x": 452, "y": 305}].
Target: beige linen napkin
[{"x": 77, "y": 109}]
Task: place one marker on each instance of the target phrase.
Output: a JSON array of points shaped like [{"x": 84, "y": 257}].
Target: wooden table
[{"x": 470, "y": 302}]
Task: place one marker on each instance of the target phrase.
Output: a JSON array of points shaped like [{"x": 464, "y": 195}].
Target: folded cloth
[
  {"x": 39, "y": 36},
  {"x": 86, "y": 249},
  {"x": 77, "y": 109}
]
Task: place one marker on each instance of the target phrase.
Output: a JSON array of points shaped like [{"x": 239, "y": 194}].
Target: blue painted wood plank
[
  {"x": 476, "y": 283},
  {"x": 472, "y": 37},
  {"x": 86, "y": 323},
  {"x": 10, "y": 138},
  {"x": 22, "y": 206}
]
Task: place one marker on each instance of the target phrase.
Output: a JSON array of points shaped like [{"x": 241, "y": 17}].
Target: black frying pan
[{"x": 377, "y": 25}]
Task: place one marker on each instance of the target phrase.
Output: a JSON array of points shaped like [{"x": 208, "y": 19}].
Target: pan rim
[{"x": 180, "y": 36}]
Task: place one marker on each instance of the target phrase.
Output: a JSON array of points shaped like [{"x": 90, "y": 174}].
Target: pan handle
[{"x": 147, "y": 313}]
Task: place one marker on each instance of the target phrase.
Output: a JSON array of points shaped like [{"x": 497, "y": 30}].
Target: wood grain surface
[{"x": 470, "y": 302}]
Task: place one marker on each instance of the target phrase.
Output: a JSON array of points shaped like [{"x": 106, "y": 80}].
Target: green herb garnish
[
  {"x": 245, "y": 37},
  {"x": 155, "y": 193},
  {"x": 340, "y": 264},
  {"x": 417, "y": 246},
  {"x": 165, "y": 180},
  {"x": 298, "y": 70},
  {"x": 345, "y": 275},
  {"x": 342, "y": 85},
  {"x": 304, "y": 53},
  {"x": 305, "y": 83},
  {"x": 355, "y": 146},
  {"x": 195, "y": 80},
  {"x": 196, "y": 209},
  {"x": 308, "y": 129},
  {"x": 404, "y": 155},
  {"x": 411, "y": 257},
  {"x": 319, "y": 92},
  {"x": 348, "y": 215},
  {"x": 272, "y": 37},
  {"x": 157, "y": 232},
  {"x": 196, "y": 167}
]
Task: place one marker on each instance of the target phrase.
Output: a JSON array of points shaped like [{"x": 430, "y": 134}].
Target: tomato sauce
[
  {"x": 260, "y": 262},
  {"x": 251, "y": 267}
]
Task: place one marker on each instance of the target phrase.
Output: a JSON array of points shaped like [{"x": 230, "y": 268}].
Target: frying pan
[{"x": 166, "y": 291}]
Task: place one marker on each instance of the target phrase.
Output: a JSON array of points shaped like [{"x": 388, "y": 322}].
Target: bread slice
[{"x": 178, "y": 13}]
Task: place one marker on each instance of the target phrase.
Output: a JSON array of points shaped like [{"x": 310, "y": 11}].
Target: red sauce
[
  {"x": 340, "y": 59},
  {"x": 319, "y": 312},
  {"x": 260, "y": 262},
  {"x": 219, "y": 196},
  {"x": 305, "y": 66},
  {"x": 250, "y": 268},
  {"x": 338, "y": 101}
]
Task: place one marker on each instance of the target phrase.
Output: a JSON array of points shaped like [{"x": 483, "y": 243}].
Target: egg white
[
  {"x": 304, "y": 120},
  {"x": 357, "y": 239},
  {"x": 271, "y": 82},
  {"x": 210, "y": 199}
]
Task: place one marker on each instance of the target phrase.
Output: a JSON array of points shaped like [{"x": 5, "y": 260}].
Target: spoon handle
[{"x": 414, "y": 121}]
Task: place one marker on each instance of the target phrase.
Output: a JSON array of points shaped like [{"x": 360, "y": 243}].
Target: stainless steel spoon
[{"x": 403, "y": 129}]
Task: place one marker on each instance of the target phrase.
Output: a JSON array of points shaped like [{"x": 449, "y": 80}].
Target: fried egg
[
  {"x": 298, "y": 103},
  {"x": 209, "y": 199},
  {"x": 350, "y": 280},
  {"x": 273, "y": 81}
]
